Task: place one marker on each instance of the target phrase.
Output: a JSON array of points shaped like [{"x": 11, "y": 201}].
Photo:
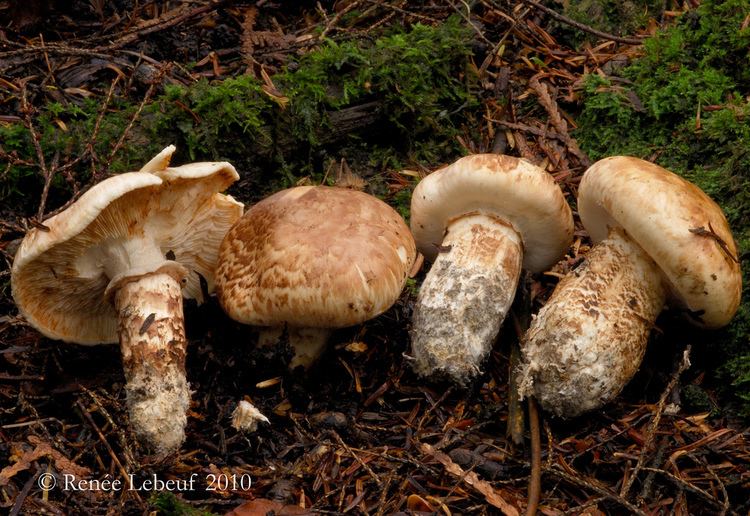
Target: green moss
[
  {"x": 411, "y": 288},
  {"x": 695, "y": 399},
  {"x": 402, "y": 203},
  {"x": 167, "y": 504},
  {"x": 416, "y": 81},
  {"x": 699, "y": 65}
]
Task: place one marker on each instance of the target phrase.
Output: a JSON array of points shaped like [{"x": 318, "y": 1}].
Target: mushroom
[
  {"x": 480, "y": 220},
  {"x": 657, "y": 237},
  {"x": 115, "y": 266},
  {"x": 310, "y": 259}
]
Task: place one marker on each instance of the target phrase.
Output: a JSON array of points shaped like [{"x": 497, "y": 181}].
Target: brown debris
[
  {"x": 24, "y": 458},
  {"x": 493, "y": 497},
  {"x": 261, "y": 507}
]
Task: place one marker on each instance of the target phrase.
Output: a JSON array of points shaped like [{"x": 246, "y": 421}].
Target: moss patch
[{"x": 381, "y": 102}]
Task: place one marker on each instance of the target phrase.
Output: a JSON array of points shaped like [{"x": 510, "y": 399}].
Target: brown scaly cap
[
  {"x": 675, "y": 222},
  {"x": 314, "y": 256},
  {"x": 176, "y": 219},
  {"x": 512, "y": 189}
]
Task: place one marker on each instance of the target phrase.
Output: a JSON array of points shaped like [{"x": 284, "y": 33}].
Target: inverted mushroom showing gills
[
  {"x": 311, "y": 259},
  {"x": 658, "y": 238},
  {"x": 480, "y": 220},
  {"x": 115, "y": 266}
]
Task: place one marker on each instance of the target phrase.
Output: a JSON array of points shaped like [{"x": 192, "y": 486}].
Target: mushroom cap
[
  {"x": 510, "y": 188},
  {"x": 314, "y": 256},
  {"x": 663, "y": 213},
  {"x": 59, "y": 277}
]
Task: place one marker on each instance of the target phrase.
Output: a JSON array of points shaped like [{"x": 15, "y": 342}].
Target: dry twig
[
  {"x": 492, "y": 496},
  {"x": 681, "y": 367},
  {"x": 581, "y": 26}
]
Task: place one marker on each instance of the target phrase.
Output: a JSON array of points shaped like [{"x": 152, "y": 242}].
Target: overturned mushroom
[
  {"x": 115, "y": 266},
  {"x": 480, "y": 219},
  {"x": 311, "y": 259},
  {"x": 658, "y": 238}
]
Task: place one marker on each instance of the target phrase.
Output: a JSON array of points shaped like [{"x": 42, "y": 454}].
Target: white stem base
[
  {"x": 588, "y": 341},
  {"x": 152, "y": 340},
  {"x": 308, "y": 343},
  {"x": 465, "y": 297}
]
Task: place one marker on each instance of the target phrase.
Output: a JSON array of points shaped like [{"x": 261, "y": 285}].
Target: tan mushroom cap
[
  {"x": 501, "y": 186},
  {"x": 658, "y": 210},
  {"x": 314, "y": 256},
  {"x": 60, "y": 276}
]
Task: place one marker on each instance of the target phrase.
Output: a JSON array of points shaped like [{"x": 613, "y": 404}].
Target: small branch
[
  {"x": 535, "y": 479},
  {"x": 46, "y": 172},
  {"x": 394, "y": 8},
  {"x": 701, "y": 231},
  {"x": 126, "y": 38},
  {"x": 20, "y": 377},
  {"x": 136, "y": 115},
  {"x": 88, "y": 150},
  {"x": 581, "y": 26},
  {"x": 648, "y": 444},
  {"x": 21, "y": 497},
  {"x": 467, "y": 19},
  {"x": 95, "y": 133},
  {"x": 492, "y": 496},
  {"x": 356, "y": 457},
  {"x": 515, "y": 426},
  {"x": 54, "y": 49},
  {"x": 106, "y": 444},
  {"x": 520, "y": 315},
  {"x": 582, "y": 482},
  {"x": 687, "y": 486},
  {"x": 553, "y": 110},
  {"x": 726, "y": 506},
  {"x": 138, "y": 32},
  {"x": 332, "y": 23}
]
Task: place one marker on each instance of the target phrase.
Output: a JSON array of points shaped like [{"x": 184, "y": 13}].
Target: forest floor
[{"x": 88, "y": 87}]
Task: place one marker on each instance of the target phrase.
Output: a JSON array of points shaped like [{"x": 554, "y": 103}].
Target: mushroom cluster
[
  {"x": 310, "y": 259},
  {"x": 480, "y": 220},
  {"x": 658, "y": 239},
  {"x": 115, "y": 266}
]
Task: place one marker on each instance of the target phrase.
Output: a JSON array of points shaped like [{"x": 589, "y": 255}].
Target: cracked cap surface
[{"x": 314, "y": 256}]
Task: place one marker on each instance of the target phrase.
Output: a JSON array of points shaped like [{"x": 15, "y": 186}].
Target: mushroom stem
[
  {"x": 152, "y": 340},
  {"x": 588, "y": 341},
  {"x": 308, "y": 343},
  {"x": 465, "y": 296}
]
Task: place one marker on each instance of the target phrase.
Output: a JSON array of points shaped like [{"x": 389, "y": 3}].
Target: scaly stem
[
  {"x": 465, "y": 296},
  {"x": 588, "y": 341},
  {"x": 152, "y": 340}
]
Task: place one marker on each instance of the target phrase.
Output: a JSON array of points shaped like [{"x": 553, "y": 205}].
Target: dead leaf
[
  {"x": 269, "y": 88},
  {"x": 42, "y": 449},
  {"x": 356, "y": 347},
  {"x": 416, "y": 503}
]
